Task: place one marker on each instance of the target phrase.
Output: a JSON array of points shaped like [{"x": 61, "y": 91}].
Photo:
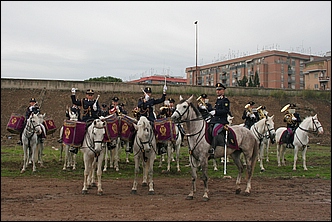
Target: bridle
[
  {"x": 91, "y": 142},
  {"x": 141, "y": 144},
  {"x": 315, "y": 128},
  {"x": 259, "y": 135},
  {"x": 200, "y": 132},
  {"x": 30, "y": 129}
]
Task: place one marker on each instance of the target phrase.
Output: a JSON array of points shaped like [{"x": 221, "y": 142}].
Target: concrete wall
[{"x": 7, "y": 83}]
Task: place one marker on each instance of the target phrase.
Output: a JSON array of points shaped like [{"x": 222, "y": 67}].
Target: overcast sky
[{"x": 128, "y": 40}]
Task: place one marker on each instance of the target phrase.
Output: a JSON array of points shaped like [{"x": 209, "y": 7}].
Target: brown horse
[{"x": 187, "y": 113}]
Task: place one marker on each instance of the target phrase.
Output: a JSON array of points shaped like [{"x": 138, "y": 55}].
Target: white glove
[
  {"x": 252, "y": 116},
  {"x": 147, "y": 97},
  {"x": 73, "y": 90},
  {"x": 202, "y": 106},
  {"x": 213, "y": 112},
  {"x": 165, "y": 89},
  {"x": 294, "y": 118},
  {"x": 248, "y": 114},
  {"x": 94, "y": 107}
]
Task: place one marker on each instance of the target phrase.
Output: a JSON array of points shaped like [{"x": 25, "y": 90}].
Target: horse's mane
[{"x": 197, "y": 112}]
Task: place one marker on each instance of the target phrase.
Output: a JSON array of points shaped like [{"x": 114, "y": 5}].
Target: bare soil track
[{"x": 35, "y": 199}]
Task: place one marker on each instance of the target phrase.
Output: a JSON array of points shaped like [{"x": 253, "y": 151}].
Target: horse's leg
[
  {"x": 214, "y": 163},
  {"x": 177, "y": 148},
  {"x": 92, "y": 174},
  {"x": 136, "y": 171},
  {"x": 261, "y": 156},
  {"x": 40, "y": 153},
  {"x": 145, "y": 174},
  {"x": 127, "y": 153},
  {"x": 278, "y": 154},
  {"x": 296, "y": 150},
  {"x": 193, "y": 164},
  {"x": 117, "y": 154},
  {"x": 74, "y": 160},
  {"x": 304, "y": 151},
  {"x": 283, "y": 151},
  {"x": 149, "y": 169},
  {"x": 267, "y": 144},
  {"x": 34, "y": 156},
  {"x": 106, "y": 157},
  {"x": 169, "y": 155},
  {"x": 61, "y": 150},
  {"x": 87, "y": 168},
  {"x": 65, "y": 162},
  {"x": 237, "y": 156},
  {"x": 99, "y": 171},
  {"x": 204, "y": 168},
  {"x": 25, "y": 158}
]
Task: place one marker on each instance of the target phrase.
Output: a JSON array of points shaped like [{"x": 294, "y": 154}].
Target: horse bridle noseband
[{"x": 312, "y": 131}]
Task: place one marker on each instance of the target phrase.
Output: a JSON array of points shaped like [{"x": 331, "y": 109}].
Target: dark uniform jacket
[
  {"x": 249, "y": 121},
  {"x": 31, "y": 109},
  {"x": 205, "y": 112},
  {"x": 222, "y": 108},
  {"x": 166, "y": 112},
  {"x": 87, "y": 108},
  {"x": 113, "y": 110},
  {"x": 146, "y": 108},
  {"x": 295, "y": 123}
]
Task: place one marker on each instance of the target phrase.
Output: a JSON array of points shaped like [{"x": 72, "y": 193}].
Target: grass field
[{"x": 318, "y": 163}]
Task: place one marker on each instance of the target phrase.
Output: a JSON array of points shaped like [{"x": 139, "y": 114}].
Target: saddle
[
  {"x": 286, "y": 138},
  {"x": 231, "y": 137}
]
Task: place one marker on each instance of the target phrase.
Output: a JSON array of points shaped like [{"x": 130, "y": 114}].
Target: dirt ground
[{"x": 28, "y": 199}]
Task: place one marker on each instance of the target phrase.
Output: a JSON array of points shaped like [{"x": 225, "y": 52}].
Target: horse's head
[
  {"x": 230, "y": 119},
  {"x": 97, "y": 131},
  {"x": 73, "y": 116},
  {"x": 145, "y": 134},
  {"x": 182, "y": 111},
  {"x": 34, "y": 123},
  {"x": 269, "y": 123},
  {"x": 316, "y": 125}
]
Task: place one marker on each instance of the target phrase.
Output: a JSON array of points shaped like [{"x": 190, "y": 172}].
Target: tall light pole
[{"x": 196, "y": 74}]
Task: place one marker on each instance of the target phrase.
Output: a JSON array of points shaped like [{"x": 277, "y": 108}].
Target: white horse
[
  {"x": 310, "y": 124},
  {"x": 186, "y": 112},
  {"x": 260, "y": 129},
  {"x": 70, "y": 158},
  {"x": 173, "y": 146},
  {"x": 93, "y": 154},
  {"x": 29, "y": 139},
  {"x": 144, "y": 149}
]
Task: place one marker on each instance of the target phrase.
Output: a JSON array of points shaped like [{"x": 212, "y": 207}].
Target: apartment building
[
  {"x": 160, "y": 79},
  {"x": 275, "y": 69}
]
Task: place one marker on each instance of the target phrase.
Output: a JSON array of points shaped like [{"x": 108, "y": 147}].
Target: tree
[
  {"x": 104, "y": 79},
  {"x": 250, "y": 84},
  {"x": 256, "y": 79},
  {"x": 243, "y": 82}
]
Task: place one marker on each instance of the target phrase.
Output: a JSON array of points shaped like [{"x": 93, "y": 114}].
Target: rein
[
  {"x": 30, "y": 130},
  {"x": 140, "y": 144},
  {"x": 311, "y": 131},
  {"x": 199, "y": 132},
  {"x": 91, "y": 143}
]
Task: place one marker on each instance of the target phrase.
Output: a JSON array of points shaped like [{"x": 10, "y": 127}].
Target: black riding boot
[
  {"x": 212, "y": 148},
  {"x": 287, "y": 139}
]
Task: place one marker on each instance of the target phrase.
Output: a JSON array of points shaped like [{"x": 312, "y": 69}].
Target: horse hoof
[
  {"x": 262, "y": 170},
  {"x": 133, "y": 192},
  {"x": 151, "y": 193},
  {"x": 84, "y": 191},
  {"x": 189, "y": 198},
  {"x": 144, "y": 184},
  {"x": 238, "y": 191},
  {"x": 93, "y": 185},
  {"x": 205, "y": 199},
  {"x": 100, "y": 193},
  {"x": 247, "y": 194}
]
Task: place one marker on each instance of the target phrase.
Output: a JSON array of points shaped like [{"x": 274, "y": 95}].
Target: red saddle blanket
[
  {"x": 49, "y": 125},
  {"x": 15, "y": 123},
  {"x": 112, "y": 128},
  {"x": 73, "y": 133},
  {"x": 164, "y": 130},
  {"x": 127, "y": 127}
]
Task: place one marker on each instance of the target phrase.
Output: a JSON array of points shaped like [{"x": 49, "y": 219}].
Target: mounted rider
[
  {"x": 250, "y": 114},
  {"x": 219, "y": 120},
  {"x": 89, "y": 106},
  {"x": 293, "y": 120}
]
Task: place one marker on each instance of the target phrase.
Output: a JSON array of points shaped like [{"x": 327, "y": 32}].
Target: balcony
[{"x": 324, "y": 79}]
